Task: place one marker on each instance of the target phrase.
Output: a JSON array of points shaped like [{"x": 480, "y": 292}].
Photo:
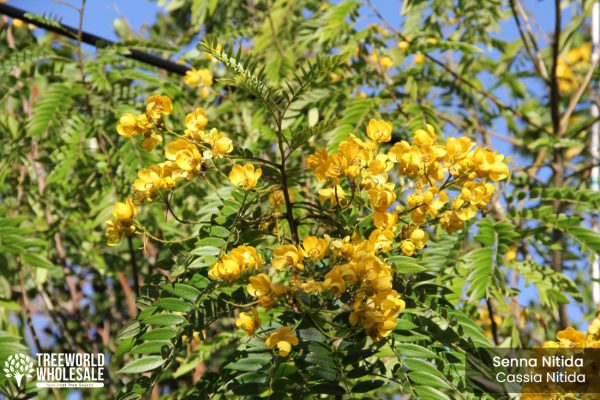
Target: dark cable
[{"x": 94, "y": 40}]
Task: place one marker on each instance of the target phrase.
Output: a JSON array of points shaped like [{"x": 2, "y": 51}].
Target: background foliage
[{"x": 63, "y": 166}]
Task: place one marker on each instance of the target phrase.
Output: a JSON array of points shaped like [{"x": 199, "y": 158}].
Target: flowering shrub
[
  {"x": 329, "y": 258},
  {"x": 322, "y": 212}
]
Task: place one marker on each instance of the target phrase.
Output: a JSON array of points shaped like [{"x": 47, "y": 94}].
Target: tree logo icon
[{"x": 18, "y": 366}]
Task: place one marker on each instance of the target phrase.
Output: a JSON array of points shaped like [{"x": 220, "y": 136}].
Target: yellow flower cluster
[
  {"x": 573, "y": 339},
  {"x": 571, "y": 67},
  {"x": 121, "y": 223},
  {"x": 434, "y": 169},
  {"x": 199, "y": 78},
  {"x": 356, "y": 270},
  {"x": 184, "y": 156},
  {"x": 379, "y": 61},
  {"x": 568, "y": 338},
  {"x": 230, "y": 266},
  {"x": 131, "y": 125}
]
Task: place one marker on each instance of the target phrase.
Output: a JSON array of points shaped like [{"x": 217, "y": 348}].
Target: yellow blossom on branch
[
  {"x": 249, "y": 323},
  {"x": 283, "y": 340},
  {"x": 245, "y": 177}
]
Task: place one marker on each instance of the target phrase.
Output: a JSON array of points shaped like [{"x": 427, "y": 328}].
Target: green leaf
[
  {"x": 367, "y": 386},
  {"x": 587, "y": 237},
  {"x": 212, "y": 242},
  {"x": 164, "y": 319},
  {"x": 159, "y": 334},
  {"x": 129, "y": 330},
  {"x": 253, "y": 363},
  {"x": 425, "y": 378},
  {"x": 414, "y": 351},
  {"x": 206, "y": 251},
  {"x": 36, "y": 260},
  {"x": 173, "y": 304},
  {"x": 429, "y": 393},
  {"x": 219, "y": 231},
  {"x": 328, "y": 388},
  {"x": 405, "y": 265},
  {"x": 154, "y": 346},
  {"x": 182, "y": 290},
  {"x": 480, "y": 264},
  {"x": 143, "y": 364}
]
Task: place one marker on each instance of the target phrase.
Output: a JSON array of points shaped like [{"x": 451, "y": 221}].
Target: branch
[
  {"x": 536, "y": 57},
  {"x": 92, "y": 39}
]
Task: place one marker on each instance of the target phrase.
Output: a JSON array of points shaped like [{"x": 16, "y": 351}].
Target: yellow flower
[
  {"x": 247, "y": 257},
  {"x": 385, "y": 220},
  {"x": 419, "y": 58},
  {"x": 116, "y": 229},
  {"x": 407, "y": 247},
  {"x": 571, "y": 338},
  {"x": 186, "y": 155},
  {"x": 489, "y": 164},
  {"x": 594, "y": 328},
  {"x": 226, "y": 268},
  {"x": 260, "y": 286},
  {"x": 148, "y": 183},
  {"x": 319, "y": 163},
  {"x": 377, "y": 314},
  {"x": 425, "y": 138},
  {"x": 377, "y": 172},
  {"x": 314, "y": 247},
  {"x": 150, "y": 142},
  {"x": 379, "y": 130},
  {"x": 382, "y": 61},
  {"x": 450, "y": 222},
  {"x": 283, "y": 340},
  {"x": 128, "y": 125},
  {"x": 124, "y": 211},
  {"x": 334, "y": 282},
  {"x": 382, "y": 239},
  {"x": 249, "y": 323},
  {"x": 277, "y": 199},
  {"x": 382, "y": 197},
  {"x": 336, "y": 167},
  {"x": 245, "y": 177},
  {"x": 286, "y": 256},
  {"x": 219, "y": 142},
  {"x": 354, "y": 155},
  {"x": 195, "y": 122},
  {"x": 432, "y": 41},
  {"x": 472, "y": 195},
  {"x": 457, "y": 149},
  {"x": 157, "y": 106},
  {"x": 198, "y": 77},
  {"x": 403, "y": 45},
  {"x": 131, "y": 125},
  {"x": 335, "y": 196},
  {"x": 17, "y": 23},
  {"x": 310, "y": 286},
  {"x": 414, "y": 239}
]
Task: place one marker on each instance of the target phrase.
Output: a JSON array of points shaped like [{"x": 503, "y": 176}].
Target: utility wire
[{"x": 92, "y": 39}]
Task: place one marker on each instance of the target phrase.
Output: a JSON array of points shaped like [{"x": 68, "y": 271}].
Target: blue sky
[{"x": 100, "y": 14}]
